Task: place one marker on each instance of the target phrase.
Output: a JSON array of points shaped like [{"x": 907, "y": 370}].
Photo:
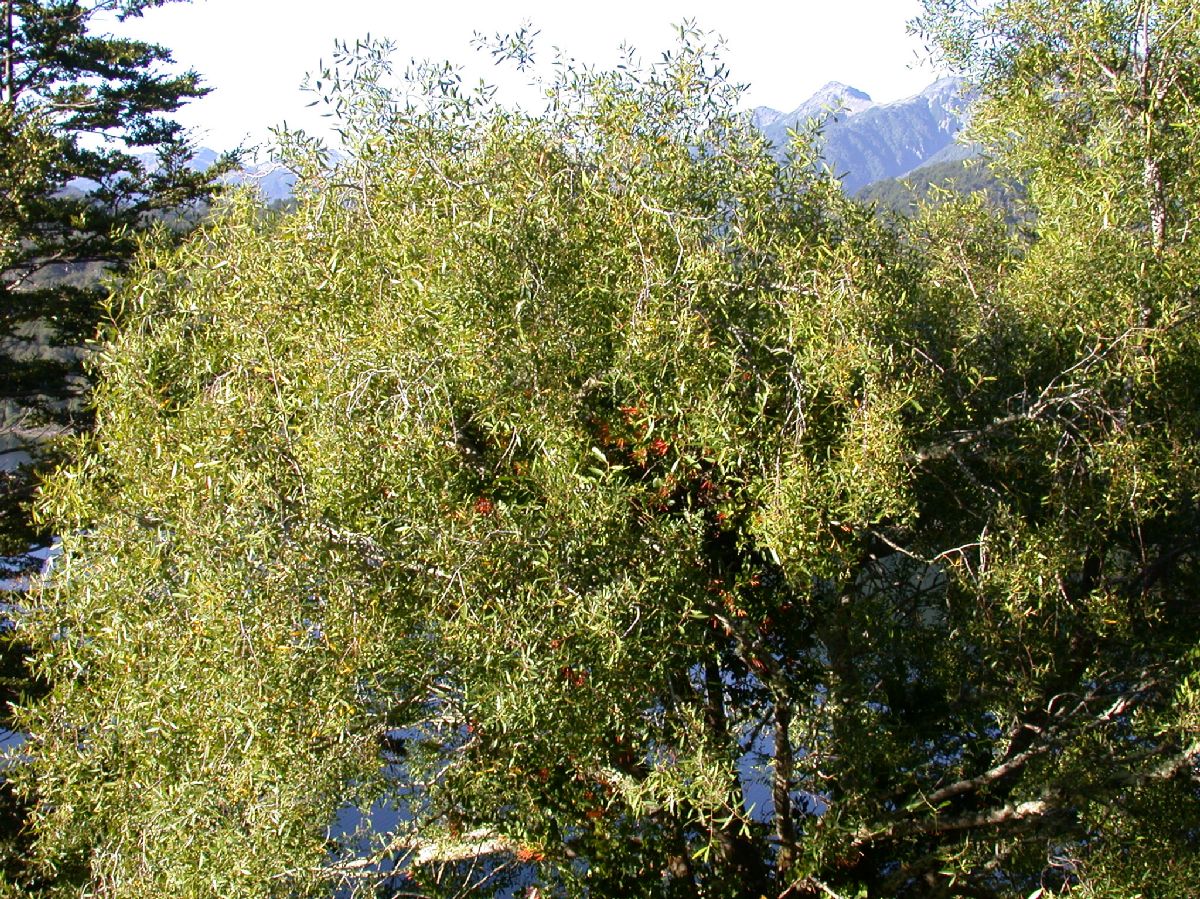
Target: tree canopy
[
  {"x": 603, "y": 508},
  {"x": 76, "y": 105},
  {"x": 90, "y": 158}
]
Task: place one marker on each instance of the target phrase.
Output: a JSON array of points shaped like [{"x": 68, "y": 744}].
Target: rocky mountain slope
[{"x": 862, "y": 141}]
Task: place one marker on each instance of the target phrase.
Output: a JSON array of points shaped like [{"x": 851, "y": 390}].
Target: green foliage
[
  {"x": 74, "y": 104},
  {"x": 76, "y": 107},
  {"x": 1088, "y": 101},
  {"x": 553, "y": 477}
]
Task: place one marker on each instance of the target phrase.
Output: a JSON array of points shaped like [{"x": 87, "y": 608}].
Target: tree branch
[
  {"x": 1165, "y": 770},
  {"x": 937, "y": 452},
  {"x": 1019, "y": 813},
  {"x": 781, "y": 786},
  {"x": 987, "y": 777}
]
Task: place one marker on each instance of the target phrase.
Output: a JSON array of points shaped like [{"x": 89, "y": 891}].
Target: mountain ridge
[
  {"x": 862, "y": 141},
  {"x": 833, "y": 99}
]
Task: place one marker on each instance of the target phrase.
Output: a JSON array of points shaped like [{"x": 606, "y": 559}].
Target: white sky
[{"x": 255, "y": 53}]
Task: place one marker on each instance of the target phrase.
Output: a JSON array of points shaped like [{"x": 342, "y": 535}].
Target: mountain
[
  {"x": 273, "y": 180},
  {"x": 835, "y": 101},
  {"x": 863, "y": 141},
  {"x": 198, "y": 163}
]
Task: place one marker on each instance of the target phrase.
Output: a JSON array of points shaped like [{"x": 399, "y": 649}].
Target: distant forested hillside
[{"x": 961, "y": 176}]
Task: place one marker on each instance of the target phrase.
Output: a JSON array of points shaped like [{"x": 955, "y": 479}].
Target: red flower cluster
[{"x": 573, "y": 677}]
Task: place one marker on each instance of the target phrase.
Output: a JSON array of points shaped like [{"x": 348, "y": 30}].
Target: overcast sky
[{"x": 255, "y": 53}]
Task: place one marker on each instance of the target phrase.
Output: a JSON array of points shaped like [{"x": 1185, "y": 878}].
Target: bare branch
[
  {"x": 417, "y": 851},
  {"x": 809, "y": 884},
  {"x": 990, "y": 776},
  {"x": 1165, "y": 770},
  {"x": 1037, "y": 411},
  {"x": 1019, "y": 813}
]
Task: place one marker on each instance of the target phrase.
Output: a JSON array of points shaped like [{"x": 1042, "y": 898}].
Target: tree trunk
[
  {"x": 736, "y": 855},
  {"x": 8, "y": 88},
  {"x": 785, "y": 826},
  {"x": 1156, "y": 198}
]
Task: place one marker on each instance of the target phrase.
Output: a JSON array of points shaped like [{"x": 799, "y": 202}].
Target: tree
[
  {"x": 623, "y": 513},
  {"x": 89, "y": 163},
  {"x": 92, "y": 160},
  {"x": 95, "y": 99},
  {"x": 1092, "y": 104}
]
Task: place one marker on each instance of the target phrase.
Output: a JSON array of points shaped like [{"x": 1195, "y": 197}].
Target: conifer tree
[
  {"x": 90, "y": 160},
  {"x": 97, "y": 103}
]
